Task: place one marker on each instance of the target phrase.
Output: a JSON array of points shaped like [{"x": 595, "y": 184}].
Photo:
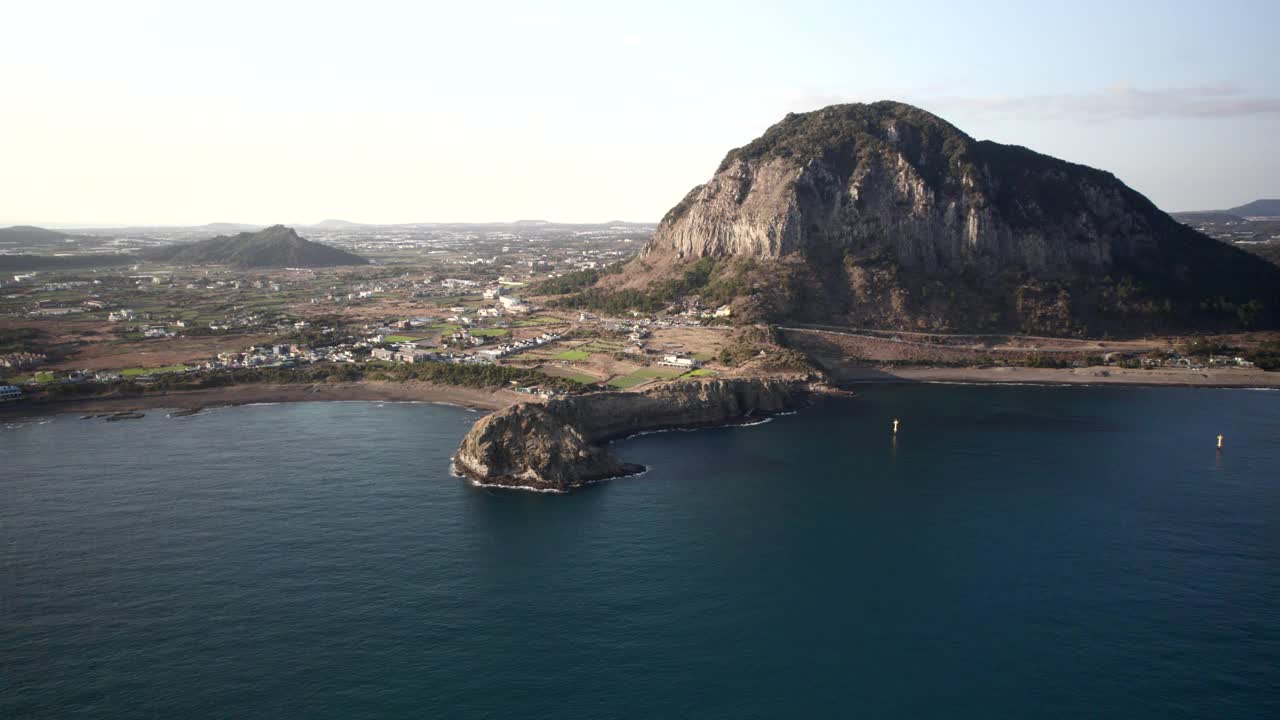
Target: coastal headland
[{"x": 560, "y": 444}]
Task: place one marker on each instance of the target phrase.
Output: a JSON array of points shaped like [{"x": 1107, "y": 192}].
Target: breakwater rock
[{"x": 560, "y": 444}]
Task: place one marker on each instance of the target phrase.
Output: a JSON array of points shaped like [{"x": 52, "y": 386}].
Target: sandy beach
[
  {"x": 476, "y": 398},
  {"x": 1217, "y": 377}
]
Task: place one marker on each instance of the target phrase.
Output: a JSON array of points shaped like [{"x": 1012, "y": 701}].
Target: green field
[
  {"x": 702, "y": 357},
  {"x": 701, "y": 372},
  {"x": 627, "y": 381},
  {"x": 600, "y": 346},
  {"x": 446, "y": 327},
  {"x": 134, "y": 372},
  {"x": 658, "y": 372},
  {"x": 581, "y": 378},
  {"x": 490, "y": 332},
  {"x": 402, "y": 338},
  {"x": 572, "y": 355},
  {"x": 23, "y": 379}
]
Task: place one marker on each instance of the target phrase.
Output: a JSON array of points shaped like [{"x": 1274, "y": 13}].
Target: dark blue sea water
[{"x": 1017, "y": 552}]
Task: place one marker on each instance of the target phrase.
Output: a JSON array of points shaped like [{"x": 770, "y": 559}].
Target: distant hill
[
  {"x": 276, "y": 246},
  {"x": 1206, "y": 216},
  {"x": 31, "y": 235},
  {"x": 334, "y": 223},
  {"x": 1257, "y": 208}
]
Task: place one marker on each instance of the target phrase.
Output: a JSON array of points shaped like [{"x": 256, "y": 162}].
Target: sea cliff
[{"x": 559, "y": 445}]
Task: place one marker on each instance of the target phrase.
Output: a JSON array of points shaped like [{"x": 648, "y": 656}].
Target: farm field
[
  {"x": 578, "y": 377},
  {"x": 538, "y": 322},
  {"x": 136, "y": 371}
]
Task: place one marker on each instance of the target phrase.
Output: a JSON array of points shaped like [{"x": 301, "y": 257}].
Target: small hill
[
  {"x": 274, "y": 247},
  {"x": 30, "y": 235},
  {"x": 1194, "y": 217},
  {"x": 336, "y": 224},
  {"x": 885, "y": 215},
  {"x": 1257, "y": 208}
]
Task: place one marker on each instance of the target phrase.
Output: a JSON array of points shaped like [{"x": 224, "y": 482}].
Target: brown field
[{"x": 156, "y": 352}]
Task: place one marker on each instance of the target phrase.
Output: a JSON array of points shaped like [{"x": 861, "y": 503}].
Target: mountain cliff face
[
  {"x": 274, "y": 247},
  {"x": 884, "y": 214},
  {"x": 558, "y": 445}
]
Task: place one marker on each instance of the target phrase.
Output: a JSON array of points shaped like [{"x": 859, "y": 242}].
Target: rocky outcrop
[
  {"x": 892, "y": 177},
  {"x": 559, "y": 444},
  {"x": 884, "y": 214}
]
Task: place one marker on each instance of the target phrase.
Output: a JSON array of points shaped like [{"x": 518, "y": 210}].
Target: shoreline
[
  {"x": 366, "y": 391},
  {"x": 1239, "y": 378},
  {"x": 496, "y": 399}
]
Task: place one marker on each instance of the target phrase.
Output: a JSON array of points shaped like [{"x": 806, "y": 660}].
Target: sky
[{"x": 390, "y": 112}]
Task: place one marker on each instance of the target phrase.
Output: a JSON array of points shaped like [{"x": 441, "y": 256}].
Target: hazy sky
[{"x": 182, "y": 112}]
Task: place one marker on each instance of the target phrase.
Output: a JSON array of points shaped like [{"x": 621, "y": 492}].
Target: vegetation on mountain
[{"x": 574, "y": 281}]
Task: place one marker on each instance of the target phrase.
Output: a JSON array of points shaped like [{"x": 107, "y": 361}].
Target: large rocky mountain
[
  {"x": 274, "y": 247},
  {"x": 883, "y": 214}
]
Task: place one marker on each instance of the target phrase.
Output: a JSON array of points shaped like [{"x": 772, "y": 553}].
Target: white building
[
  {"x": 678, "y": 361},
  {"x": 513, "y": 304}
]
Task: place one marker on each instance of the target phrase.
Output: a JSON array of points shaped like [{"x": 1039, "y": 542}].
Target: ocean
[{"x": 1014, "y": 552}]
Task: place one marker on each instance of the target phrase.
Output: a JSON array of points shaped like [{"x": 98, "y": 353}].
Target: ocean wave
[
  {"x": 557, "y": 491},
  {"x": 522, "y": 488},
  {"x": 659, "y": 431},
  {"x": 1118, "y": 383},
  {"x": 749, "y": 423},
  {"x": 453, "y": 470},
  {"x": 1018, "y": 383}
]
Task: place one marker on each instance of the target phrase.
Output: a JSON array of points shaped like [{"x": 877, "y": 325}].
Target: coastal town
[
  {"x": 468, "y": 296},
  {"x": 445, "y": 296}
]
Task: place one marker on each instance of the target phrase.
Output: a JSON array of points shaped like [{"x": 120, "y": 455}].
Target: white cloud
[{"x": 1121, "y": 102}]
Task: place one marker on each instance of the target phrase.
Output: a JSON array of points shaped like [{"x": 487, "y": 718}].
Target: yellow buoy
[
  {"x": 895, "y": 426},
  {"x": 1219, "y": 442}
]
